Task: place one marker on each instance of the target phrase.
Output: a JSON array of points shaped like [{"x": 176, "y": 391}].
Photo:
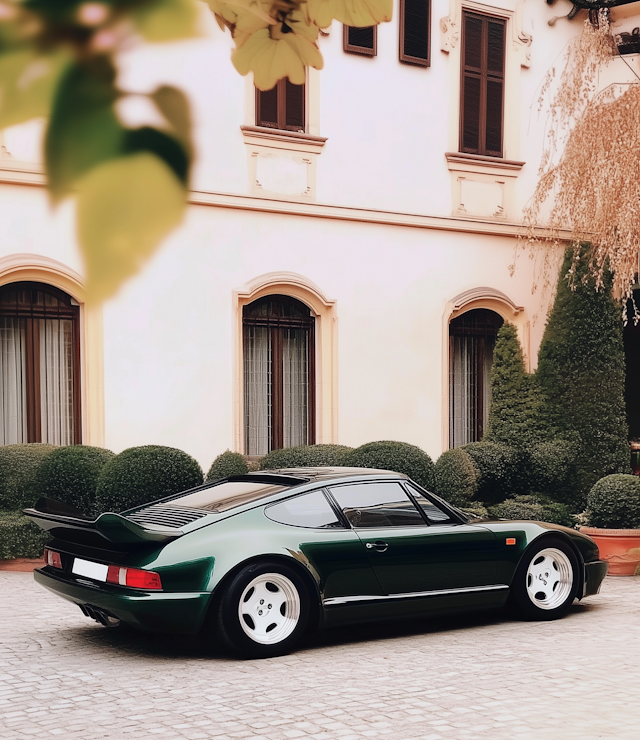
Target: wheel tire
[
  {"x": 546, "y": 581},
  {"x": 264, "y": 611}
]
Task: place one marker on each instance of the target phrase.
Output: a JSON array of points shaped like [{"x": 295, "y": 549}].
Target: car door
[{"x": 413, "y": 545}]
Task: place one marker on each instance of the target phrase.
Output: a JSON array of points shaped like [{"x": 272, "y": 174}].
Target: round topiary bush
[
  {"x": 397, "y": 456},
  {"x": 143, "y": 474},
  {"x": 20, "y": 537},
  {"x": 499, "y": 467},
  {"x": 533, "y": 508},
  {"x": 70, "y": 475},
  {"x": 226, "y": 464},
  {"x": 456, "y": 477},
  {"x": 18, "y": 469},
  {"x": 305, "y": 456},
  {"x": 554, "y": 472},
  {"x": 614, "y": 502}
]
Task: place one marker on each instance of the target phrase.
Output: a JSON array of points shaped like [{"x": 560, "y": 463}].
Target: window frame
[
  {"x": 281, "y": 107},
  {"x": 484, "y": 76},
  {"x": 276, "y": 325},
  {"x": 364, "y": 51},
  {"x": 407, "y": 58},
  {"x": 69, "y": 311},
  {"x": 341, "y": 520}
]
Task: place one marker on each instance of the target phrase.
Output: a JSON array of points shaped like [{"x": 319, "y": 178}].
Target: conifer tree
[{"x": 581, "y": 373}]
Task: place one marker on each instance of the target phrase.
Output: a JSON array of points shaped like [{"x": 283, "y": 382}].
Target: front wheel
[
  {"x": 546, "y": 582},
  {"x": 264, "y": 611}
]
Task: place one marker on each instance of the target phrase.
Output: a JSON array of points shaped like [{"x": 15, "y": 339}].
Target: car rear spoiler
[{"x": 68, "y": 523}]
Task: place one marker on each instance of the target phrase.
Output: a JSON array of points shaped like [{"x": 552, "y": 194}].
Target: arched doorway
[
  {"x": 39, "y": 365},
  {"x": 279, "y": 374},
  {"x": 472, "y": 338}
]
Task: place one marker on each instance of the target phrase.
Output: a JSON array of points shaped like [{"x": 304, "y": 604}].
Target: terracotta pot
[{"x": 619, "y": 547}]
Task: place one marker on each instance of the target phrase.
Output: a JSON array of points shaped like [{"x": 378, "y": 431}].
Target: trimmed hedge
[
  {"x": 554, "y": 472},
  {"x": 20, "y": 537},
  {"x": 18, "y": 469},
  {"x": 614, "y": 502},
  {"x": 581, "y": 371},
  {"x": 501, "y": 470},
  {"x": 456, "y": 477},
  {"x": 305, "y": 456},
  {"x": 475, "y": 511},
  {"x": 533, "y": 508},
  {"x": 70, "y": 475},
  {"x": 143, "y": 474},
  {"x": 397, "y": 456},
  {"x": 226, "y": 464}
]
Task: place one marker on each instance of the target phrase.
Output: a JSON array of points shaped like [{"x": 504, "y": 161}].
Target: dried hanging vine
[{"x": 589, "y": 176}]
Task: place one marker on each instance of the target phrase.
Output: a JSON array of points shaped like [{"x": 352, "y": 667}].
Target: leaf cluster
[
  {"x": 20, "y": 537},
  {"x": 456, "y": 477},
  {"x": 19, "y": 465},
  {"x": 614, "y": 502},
  {"x": 226, "y": 464},
  {"x": 400, "y": 457},
  {"x": 534, "y": 508},
  {"x": 305, "y": 456}
]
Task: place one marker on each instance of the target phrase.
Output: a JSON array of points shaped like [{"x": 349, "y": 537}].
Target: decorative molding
[
  {"x": 462, "y": 300},
  {"x": 459, "y": 161},
  {"x": 288, "y": 140}
]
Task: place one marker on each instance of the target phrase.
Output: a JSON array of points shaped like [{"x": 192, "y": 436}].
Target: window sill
[
  {"x": 482, "y": 165},
  {"x": 279, "y": 139}
]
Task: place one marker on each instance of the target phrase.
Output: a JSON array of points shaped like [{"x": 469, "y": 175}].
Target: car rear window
[{"x": 227, "y": 495}]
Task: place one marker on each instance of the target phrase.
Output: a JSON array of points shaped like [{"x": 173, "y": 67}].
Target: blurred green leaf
[
  {"x": 125, "y": 208},
  {"x": 84, "y": 130},
  {"x": 174, "y": 106},
  {"x": 27, "y": 84},
  {"x": 169, "y": 149},
  {"x": 166, "y": 20}
]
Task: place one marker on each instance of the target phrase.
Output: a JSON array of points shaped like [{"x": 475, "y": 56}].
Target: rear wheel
[
  {"x": 546, "y": 582},
  {"x": 264, "y": 611}
]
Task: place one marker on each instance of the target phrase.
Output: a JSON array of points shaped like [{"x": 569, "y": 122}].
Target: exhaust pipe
[{"x": 100, "y": 616}]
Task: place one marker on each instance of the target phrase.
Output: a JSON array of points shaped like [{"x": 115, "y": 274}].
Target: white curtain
[
  {"x": 295, "y": 387},
  {"x": 56, "y": 380},
  {"x": 257, "y": 389},
  {"x": 13, "y": 393}
]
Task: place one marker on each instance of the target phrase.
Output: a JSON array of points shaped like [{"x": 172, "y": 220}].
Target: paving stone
[{"x": 467, "y": 678}]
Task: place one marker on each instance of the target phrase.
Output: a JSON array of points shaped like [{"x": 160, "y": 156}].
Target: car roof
[{"x": 314, "y": 474}]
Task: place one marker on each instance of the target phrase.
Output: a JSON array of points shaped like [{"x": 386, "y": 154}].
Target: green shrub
[
  {"x": 614, "y": 502},
  {"x": 142, "y": 474},
  {"x": 18, "y": 468},
  {"x": 70, "y": 475},
  {"x": 514, "y": 417},
  {"x": 305, "y": 456},
  {"x": 475, "y": 511},
  {"x": 20, "y": 537},
  {"x": 456, "y": 477},
  {"x": 581, "y": 371},
  {"x": 226, "y": 464},
  {"x": 500, "y": 470},
  {"x": 554, "y": 472},
  {"x": 533, "y": 508},
  {"x": 397, "y": 456}
]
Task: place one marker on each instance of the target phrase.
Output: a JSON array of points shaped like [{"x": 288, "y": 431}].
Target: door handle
[{"x": 379, "y": 546}]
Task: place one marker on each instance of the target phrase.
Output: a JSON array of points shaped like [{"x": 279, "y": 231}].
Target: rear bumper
[
  {"x": 180, "y": 613},
  {"x": 594, "y": 574}
]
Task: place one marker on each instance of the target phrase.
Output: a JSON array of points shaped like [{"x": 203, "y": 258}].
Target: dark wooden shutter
[
  {"x": 360, "y": 40},
  {"x": 415, "y": 32},
  {"x": 281, "y": 107},
  {"x": 482, "y": 94}
]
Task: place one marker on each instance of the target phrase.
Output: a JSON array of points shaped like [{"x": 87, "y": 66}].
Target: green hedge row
[{"x": 20, "y": 537}]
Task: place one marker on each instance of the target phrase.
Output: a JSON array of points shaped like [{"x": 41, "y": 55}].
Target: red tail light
[
  {"x": 134, "y": 578},
  {"x": 52, "y": 558}
]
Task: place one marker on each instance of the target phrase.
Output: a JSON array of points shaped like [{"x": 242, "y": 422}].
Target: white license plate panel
[{"x": 87, "y": 568}]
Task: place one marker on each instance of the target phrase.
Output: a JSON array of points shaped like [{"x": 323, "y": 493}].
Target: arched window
[
  {"x": 279, "y": 374},
  {"x": 472, "y": 337},
  {"x": 39, "y": 365}
]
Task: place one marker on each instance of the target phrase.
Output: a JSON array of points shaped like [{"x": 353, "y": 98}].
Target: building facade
[{"x": 346, "y": 260}]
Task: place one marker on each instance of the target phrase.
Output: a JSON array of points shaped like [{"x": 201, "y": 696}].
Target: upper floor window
[
  {"x": 482, "y": 98},
  {"x": 282, "y": 107},
  {"x": 472, "y": 338},
  {"x": 279, "y": 374},
  {"x": 360, "y": 40},
  {"x": 415, "y": 31},
  {"x": 39, "y": 365}
]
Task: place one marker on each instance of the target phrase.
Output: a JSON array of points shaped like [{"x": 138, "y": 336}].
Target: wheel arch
[
  {"x": 313, "y": 590},
  {"x": 553, "y": 535}
]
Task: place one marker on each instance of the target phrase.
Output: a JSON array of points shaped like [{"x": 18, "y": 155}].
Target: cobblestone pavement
[{"x": 483, "y": 676}]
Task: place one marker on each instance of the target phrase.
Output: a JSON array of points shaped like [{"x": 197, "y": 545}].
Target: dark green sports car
[{"x": 258, "y": 560}]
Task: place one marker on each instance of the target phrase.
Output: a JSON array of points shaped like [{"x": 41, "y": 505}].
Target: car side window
[
  {"x": 383, "y": 504},
  {"x": 309, "y": 510},
  {"x": 434, "y": 514}
]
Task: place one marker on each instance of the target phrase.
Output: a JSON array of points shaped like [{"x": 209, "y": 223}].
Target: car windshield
[{"x": 227, "y": 495}]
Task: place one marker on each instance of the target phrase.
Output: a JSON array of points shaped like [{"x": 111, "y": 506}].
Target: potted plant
[{"x": 613, "y": 515}]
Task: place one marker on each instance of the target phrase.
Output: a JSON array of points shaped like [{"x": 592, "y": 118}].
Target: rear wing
[{"x": 65, "y": 522}]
